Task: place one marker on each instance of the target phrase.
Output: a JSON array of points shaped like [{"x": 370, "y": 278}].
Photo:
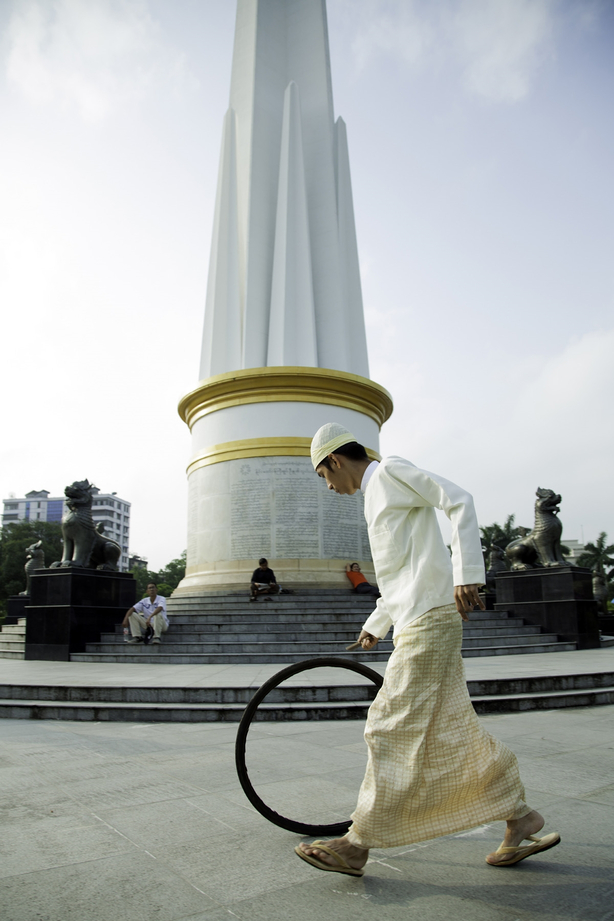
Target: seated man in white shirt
[{"x": 149, "y": 612}]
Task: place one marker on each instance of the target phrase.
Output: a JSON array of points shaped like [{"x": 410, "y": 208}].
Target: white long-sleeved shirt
[
  {"x": 147, "y": 607},
  {"x": 412, "y": 564}
]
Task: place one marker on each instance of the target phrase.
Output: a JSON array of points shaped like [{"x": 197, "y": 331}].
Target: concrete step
[
  {"x": 553, "y": 700},
  {"x": 305, "y": 646},
  {"x": 268, "y": 712},
  {"x": 13, "y": 640},
  {"x": 186, "y": 713},
  {"x": 288, "y": 692},
  {"x": 234, "y": 639},
  {"x": 516, "y": 639},
  {"x": 517, "y": 650},
  {"x": 221, "y": 634},
  {"x": 314, "y": 624},
  {"x": 164, "y": 655},
  {"x": 319, "y": 594},
  {"x": 348, "y": 599},
  {"x": 269, "y": 615},
  {"x": 94, "y": 694}
]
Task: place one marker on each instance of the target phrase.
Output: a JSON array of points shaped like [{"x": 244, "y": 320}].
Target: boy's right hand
[{"x": 367, "y": 640}]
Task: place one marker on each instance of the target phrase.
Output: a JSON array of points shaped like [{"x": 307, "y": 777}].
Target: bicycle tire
[{"x": 302, "y": 828}]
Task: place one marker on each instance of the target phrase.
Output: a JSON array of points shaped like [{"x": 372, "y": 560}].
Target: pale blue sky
[{"x": 481, "y": 144}]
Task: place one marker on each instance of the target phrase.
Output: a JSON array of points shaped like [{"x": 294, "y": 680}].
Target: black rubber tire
[{"x": 302, "y": 828}]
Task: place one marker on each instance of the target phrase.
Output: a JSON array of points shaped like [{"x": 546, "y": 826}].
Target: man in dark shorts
[{"x": 263, "y": 581}]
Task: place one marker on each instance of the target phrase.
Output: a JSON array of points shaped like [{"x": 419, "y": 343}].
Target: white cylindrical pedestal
[{"x": 252, "y": 489}]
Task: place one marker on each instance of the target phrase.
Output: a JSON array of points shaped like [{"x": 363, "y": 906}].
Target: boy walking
[{"x": 432, "y": 768}]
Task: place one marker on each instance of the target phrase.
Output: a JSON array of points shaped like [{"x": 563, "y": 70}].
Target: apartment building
[{"x": 108, "y": 508}]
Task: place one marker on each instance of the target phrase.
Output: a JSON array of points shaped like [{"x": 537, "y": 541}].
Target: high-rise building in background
[
  {"x": 108, "y": 508},
  {"x": 284, "y": 346}
]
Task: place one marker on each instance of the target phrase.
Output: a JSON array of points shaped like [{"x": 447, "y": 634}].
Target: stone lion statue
[
  {"x": 84, "y": 544},
  {"x": 35, "y": 559},
  {"x": 542, "y": 546}
]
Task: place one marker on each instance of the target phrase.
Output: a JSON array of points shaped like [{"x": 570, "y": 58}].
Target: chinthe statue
[
  {"x": 542, "y": 546},
  {"x": 85, "y": 545},
  {"x": 35, "y": 559}
]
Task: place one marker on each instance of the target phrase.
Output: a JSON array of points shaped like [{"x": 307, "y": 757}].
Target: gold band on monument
[
  {"x": 284, "y": 384},
  {"x": 257, "y": 447}
]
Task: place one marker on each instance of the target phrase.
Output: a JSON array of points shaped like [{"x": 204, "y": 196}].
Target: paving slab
[{"x": 141, "y": 821}]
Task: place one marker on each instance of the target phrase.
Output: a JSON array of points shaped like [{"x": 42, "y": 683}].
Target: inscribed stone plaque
[{"x": 281, "y": 509}]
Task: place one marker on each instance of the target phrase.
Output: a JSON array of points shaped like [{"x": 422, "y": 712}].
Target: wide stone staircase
[{"x": 226, "y": 628}]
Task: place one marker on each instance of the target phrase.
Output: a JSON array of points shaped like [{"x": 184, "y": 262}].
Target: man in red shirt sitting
[{"x": 361, "y": 586}]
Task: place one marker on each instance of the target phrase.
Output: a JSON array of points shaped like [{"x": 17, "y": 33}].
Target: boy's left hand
[{"x": 466, "y": 598}]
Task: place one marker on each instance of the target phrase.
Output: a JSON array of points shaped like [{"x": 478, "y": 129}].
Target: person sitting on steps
[
  {"x": 148, "y": 612},
  {"x": 361, "y": 586},
  {"x": 263, "y": 581}
]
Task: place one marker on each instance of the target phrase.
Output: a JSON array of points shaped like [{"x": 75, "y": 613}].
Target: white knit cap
[{"x": 327, "y": 439}]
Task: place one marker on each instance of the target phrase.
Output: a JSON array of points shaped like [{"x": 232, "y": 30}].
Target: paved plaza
[{"x": 135, "y": 821}]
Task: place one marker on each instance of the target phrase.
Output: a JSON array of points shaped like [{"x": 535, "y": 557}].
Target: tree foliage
[
  {"x": 496, "y": 535},
  {"x": 167, "y": 579},
  {"x": 15, "y": 538},
  {"x": 598, "y": 556}
]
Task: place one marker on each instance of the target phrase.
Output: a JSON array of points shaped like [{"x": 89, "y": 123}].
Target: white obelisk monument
[{"x": 284, "y": 347}]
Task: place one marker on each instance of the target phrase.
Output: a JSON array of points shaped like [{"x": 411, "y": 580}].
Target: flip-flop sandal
[
  {"x": 519, "y": 853},
  {"x": 342, "y": 868}
]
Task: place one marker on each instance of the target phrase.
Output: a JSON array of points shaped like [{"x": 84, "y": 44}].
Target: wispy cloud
[
  {"x": 497, "y": 46},
  {"x": 397, "y": 29},
  {"x": 501, "y": 43},
  {"x": 572, "y": 426},
  {"x": 93, "y": 56}
]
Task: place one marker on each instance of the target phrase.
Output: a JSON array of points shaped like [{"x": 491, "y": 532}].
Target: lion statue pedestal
[
  {"x": 83, "y": 594},
  {"x": 543, "y": 587},
  {"x": 71, "y": 607},
  {"x": 558, "y": 599}
]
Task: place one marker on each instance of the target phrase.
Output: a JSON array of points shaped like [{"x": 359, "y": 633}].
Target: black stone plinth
[
  {"x": 558, "y": 599},
  {"x": 71, "y": 607},
  {"x": 16, "y": 608}
]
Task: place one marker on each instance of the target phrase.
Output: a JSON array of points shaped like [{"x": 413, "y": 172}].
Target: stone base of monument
[
  {"x": 560, "y": 600},
  {"x": 69, "y": 608},
  {"x": 16, "y": 608}
]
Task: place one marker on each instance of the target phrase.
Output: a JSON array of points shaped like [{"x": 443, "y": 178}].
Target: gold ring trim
[
  {"x": 257, "y": 447},
  {"x": 287, "y": 384}
]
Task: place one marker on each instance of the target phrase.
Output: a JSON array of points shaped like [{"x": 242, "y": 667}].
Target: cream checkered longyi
[{"x": 432, "y": 768}]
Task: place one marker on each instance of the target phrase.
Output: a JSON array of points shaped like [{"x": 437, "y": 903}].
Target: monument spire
[
  {"x": 284, "y": 345},
  {"x": 287, "y": 246}
]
